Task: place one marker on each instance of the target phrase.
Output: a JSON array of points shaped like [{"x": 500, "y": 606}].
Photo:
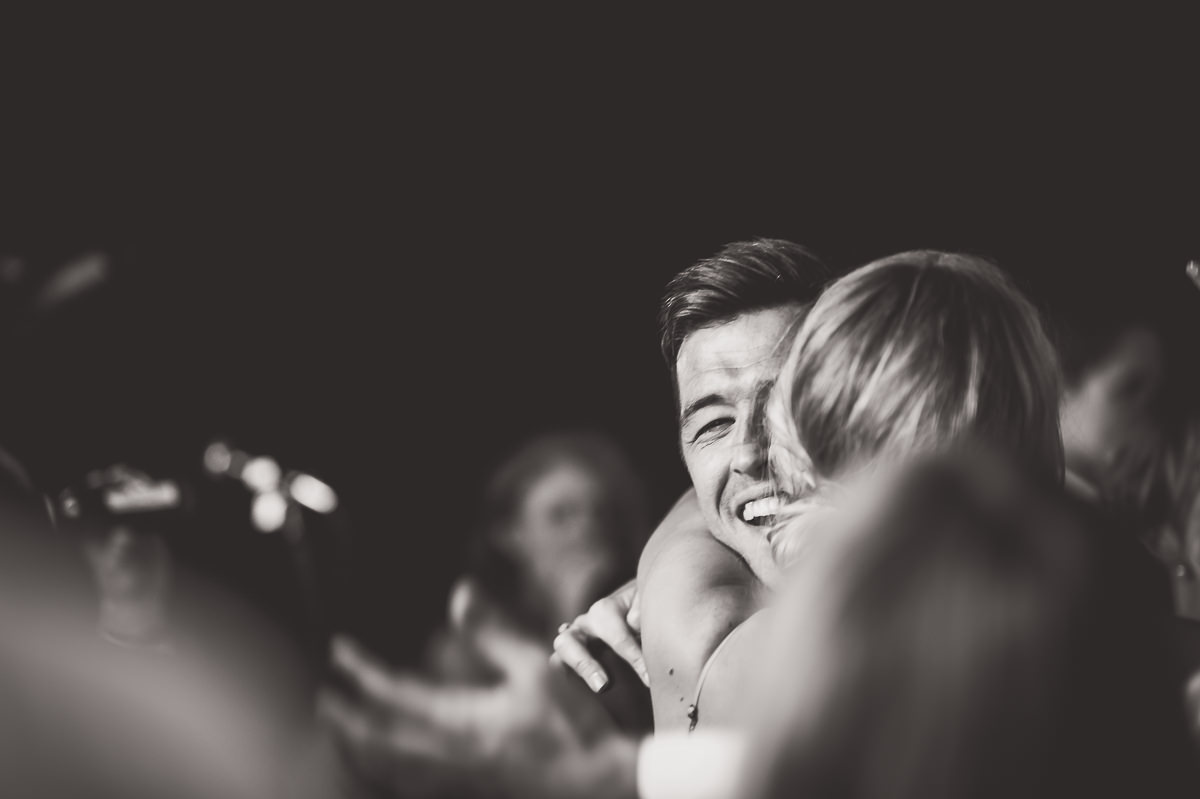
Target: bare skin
[
  {"x": 705, "y": 569},
  {"x": 694, "y": 591}
]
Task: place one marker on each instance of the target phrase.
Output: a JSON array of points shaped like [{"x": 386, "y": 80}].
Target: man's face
[{"x": 725, "y": 373}]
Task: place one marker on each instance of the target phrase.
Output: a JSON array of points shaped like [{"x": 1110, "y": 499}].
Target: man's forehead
[
  {"x": 743, "y": 350},
  {"x": 723, "y": 357}
]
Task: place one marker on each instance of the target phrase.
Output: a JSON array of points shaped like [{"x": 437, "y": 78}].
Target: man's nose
[{"x": 750, "y": 453}]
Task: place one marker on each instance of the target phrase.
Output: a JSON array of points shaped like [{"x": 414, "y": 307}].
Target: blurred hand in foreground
[{"x": 534, "y": 734}]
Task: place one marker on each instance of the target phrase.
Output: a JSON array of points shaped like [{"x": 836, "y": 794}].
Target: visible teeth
[{"x": 767, "y": 506}]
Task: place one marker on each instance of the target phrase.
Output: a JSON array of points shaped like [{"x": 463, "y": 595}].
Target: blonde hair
[{"x": 907, "y": 355}]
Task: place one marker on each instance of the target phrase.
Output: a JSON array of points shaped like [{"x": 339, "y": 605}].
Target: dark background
[{"x": 389, "y": 251}]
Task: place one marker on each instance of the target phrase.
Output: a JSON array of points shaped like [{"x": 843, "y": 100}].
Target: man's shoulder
[
  {"x": 693, "y": 591},
  {"x": 687, "y": 572}
]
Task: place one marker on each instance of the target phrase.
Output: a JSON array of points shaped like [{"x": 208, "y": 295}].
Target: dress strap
[{"x": 694, "y": 707}]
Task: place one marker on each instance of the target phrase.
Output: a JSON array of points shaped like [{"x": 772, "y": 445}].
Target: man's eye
[{"x": 713, "y": 429}]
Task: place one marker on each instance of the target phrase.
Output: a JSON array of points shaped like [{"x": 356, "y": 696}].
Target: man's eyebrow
[{"x": 696, "y": 406}]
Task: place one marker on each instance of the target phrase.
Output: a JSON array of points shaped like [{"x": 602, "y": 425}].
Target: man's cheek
[
  {"x": 700, "y": 481},
  {"x": 710, "y": 502}
]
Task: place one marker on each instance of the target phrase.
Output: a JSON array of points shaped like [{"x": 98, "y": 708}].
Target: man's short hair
[{"x": 744, "y": 276}]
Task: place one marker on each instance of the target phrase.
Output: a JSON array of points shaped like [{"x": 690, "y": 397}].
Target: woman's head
[
  {"x": 563, "y": 518},
  {"x": 911, "y": 353}
]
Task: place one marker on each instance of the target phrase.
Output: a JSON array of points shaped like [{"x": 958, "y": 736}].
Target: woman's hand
[{"x": 615, "y": 621}]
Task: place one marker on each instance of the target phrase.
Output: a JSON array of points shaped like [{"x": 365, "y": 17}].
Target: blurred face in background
[
  {"x": 133, "y": 573},
  {"x": 128, "y": 566},
  {"x": 567, "y": 531},
  {"x": 725, "y": 375},
  {"x": 1107, "y": 417}
]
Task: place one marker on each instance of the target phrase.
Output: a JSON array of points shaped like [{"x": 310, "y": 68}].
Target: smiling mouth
[{"x": 760, "y": 512}]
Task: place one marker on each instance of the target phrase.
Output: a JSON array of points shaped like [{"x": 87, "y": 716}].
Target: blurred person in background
[
  {"x": 132, "y": 570},
  {"x": 55, "y": 301},
  {"x": 1114, "y": 363},
  {"x": 1129, "y": 414},
  {"x": 83, "y": 718},
  {"x": 563, "y": 521},
  {"x": 128, "y": 556},
  {"x": 963, "y": 632}
]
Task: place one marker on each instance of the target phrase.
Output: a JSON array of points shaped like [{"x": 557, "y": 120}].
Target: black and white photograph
[{"x": 480, "y": 403}]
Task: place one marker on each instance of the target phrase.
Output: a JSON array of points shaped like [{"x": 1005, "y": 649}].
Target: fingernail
[
  {"x": 597, "y": 682},
  {"x": 645, "y": 675}
]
